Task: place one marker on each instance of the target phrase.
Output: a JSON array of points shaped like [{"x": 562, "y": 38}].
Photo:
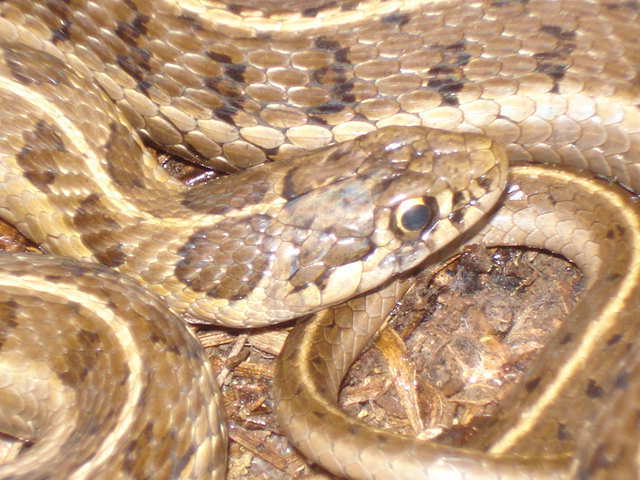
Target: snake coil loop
[{"x": 389, "y": 124}]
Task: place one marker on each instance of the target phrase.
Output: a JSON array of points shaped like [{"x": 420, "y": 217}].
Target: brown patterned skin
[
  {"x": 229, "y": 86},
  {"x": 251, "y": 242},
  {"x": 88, "y": 360},
  {"x": 248, "y": 250},
  {"x": 234, "y": 85}
]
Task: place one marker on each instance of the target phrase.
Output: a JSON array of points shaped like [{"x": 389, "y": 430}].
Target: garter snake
[{"x": 230, "y": 86}]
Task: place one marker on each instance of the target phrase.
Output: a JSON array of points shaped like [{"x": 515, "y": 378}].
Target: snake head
[
  {"x": 344, "y": 219},
  {"x": 401, "y": 194}
]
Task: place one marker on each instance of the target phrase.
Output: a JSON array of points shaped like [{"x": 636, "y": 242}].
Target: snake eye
[{"x": 416, "y": 215}]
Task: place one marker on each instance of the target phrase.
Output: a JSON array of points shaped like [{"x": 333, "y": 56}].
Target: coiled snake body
[{"x": 230, "y": 86}]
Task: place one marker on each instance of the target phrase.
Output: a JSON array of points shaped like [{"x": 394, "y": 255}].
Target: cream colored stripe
[
  {"x": 125, "y": 339},
  {"x": 80, "y": 145},
  {"x": 593, "y": 336},
  {"x": 252, "y": 22}
]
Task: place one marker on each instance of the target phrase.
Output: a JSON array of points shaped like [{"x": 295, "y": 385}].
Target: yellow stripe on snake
[{"x": 101, "y": 376}]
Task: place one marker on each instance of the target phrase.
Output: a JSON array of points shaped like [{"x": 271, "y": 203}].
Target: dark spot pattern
[
  {"x": 133, "y": 448},
  {"x": 342, "y": 56},
  {"x": 502, "y": 3},
  {"x": 324, "y": 43},
  {"x": 143, "y": 85},
  {"x": 555, "y": 64},
  {"x": 53, "y": 278},
  {"x": 630, "y": 4},
  {"x": 614, "y": 339},
  {"x": 343, "y": 91},
  {"x": 447, "y": 87},
  {"x": 229, "y": 259},
  {"x": 81, "y": 359},
  {"x": 326, "y": 108},
  {"x": 396, "y": 18},
  {"x": 447, "y": 77},
  {"x": 459, "y": 197},
  {"x": 235, "y": 72},
  {"x": 555, "y": 71},
  {"x": 7, "y": 319},
  {"x": 41, "y": 156},
  {"x": 128, "y": 65},
  {"x": 531, "y": 385},
  {"x": 78, "y": 270},
  {"x": 311, "y": 12},
  {"x": 349, "y": 5},
  {"x": 97, "y": 230},
  {"x": 129, "y": 32},
  {"x": 613, "y": 277},
  {"x": 222, "y": 86},
  {"x": 566, "y": 339},
  {"x": 226, "y": 114},
  {"x": 62, "y": 33},
  {"x": 218, "y": 57},
  {"x": 594, "y": 390},
  {"x": 485, "y": 182},
  {"x": 558, "y": 32}
]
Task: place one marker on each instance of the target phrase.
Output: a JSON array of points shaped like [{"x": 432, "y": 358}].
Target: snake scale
[{"x": 396, "y": 118}]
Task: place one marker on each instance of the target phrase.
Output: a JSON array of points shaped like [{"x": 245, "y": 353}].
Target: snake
[{"x": 360, "y": 138}]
